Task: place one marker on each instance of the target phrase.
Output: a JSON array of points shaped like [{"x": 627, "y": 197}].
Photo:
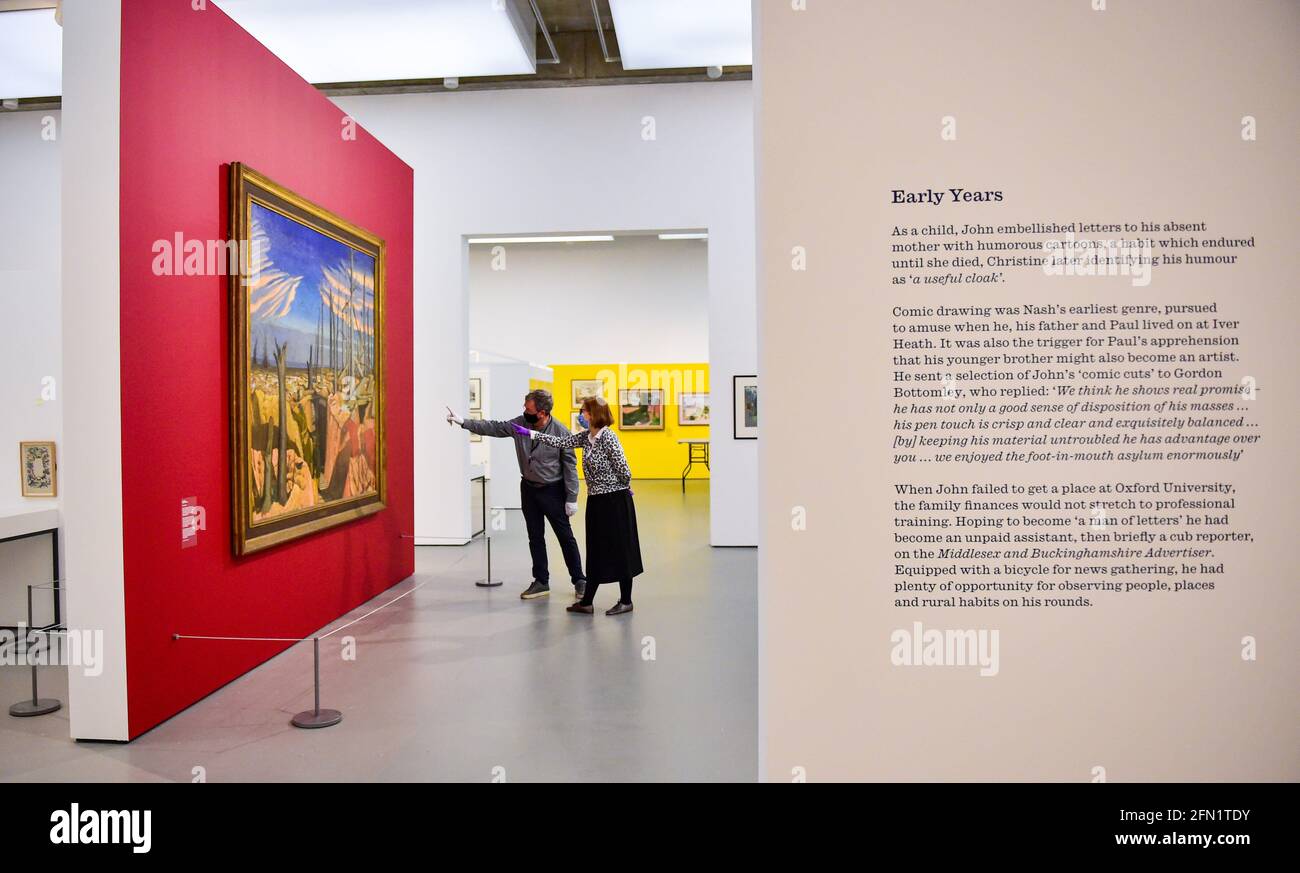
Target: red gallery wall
[{"x": 197, "y": 94}]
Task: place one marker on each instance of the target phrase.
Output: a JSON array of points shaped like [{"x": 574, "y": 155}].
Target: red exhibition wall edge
[{"x": 199, "y": 93}]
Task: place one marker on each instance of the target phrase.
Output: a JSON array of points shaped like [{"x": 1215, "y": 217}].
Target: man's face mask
[{"x": 531, "y": 418}]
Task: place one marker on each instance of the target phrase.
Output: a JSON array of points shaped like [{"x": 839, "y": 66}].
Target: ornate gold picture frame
[{"x": 306, "y": 366}]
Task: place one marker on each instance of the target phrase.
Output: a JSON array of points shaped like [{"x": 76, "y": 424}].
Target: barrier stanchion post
[
  {"x": 488, "y": 582},
  {"x": 316, "y": 717},
  {"x": 37, "y": 705}
]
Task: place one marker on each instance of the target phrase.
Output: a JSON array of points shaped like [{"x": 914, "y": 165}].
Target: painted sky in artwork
[{"x": 298, "y": 271}]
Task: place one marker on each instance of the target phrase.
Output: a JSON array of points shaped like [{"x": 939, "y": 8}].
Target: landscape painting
[
  {"x": 307, "y": 373},
  {"x": 692, "y": 409},
  {"x": 583, "y": 389},
  {"x": 641, "y": 409}
]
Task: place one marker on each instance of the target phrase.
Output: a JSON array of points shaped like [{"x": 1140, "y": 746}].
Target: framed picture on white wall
[
  {"x": 475, "y": 393},
  {"x": 745, "y": 407},
  {"x": 38, "y": 470}
]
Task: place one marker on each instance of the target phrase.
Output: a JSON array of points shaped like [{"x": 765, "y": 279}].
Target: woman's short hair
[{"x": 597, "y": 411}]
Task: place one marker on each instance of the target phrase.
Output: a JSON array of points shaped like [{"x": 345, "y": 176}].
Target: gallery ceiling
[{"x": 397, "y": 46}]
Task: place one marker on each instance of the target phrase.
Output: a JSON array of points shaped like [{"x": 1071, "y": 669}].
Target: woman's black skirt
[{"x": 613, "y": 548}]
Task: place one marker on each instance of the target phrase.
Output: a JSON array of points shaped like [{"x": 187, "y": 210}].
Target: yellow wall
[{"x": 652, "y": 454}]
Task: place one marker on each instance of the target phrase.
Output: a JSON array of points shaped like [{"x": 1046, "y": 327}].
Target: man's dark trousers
[{"x": 546, "y": 503}]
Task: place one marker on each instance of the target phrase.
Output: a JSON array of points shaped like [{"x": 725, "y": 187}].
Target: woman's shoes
[{"x": 586, "y": 608}]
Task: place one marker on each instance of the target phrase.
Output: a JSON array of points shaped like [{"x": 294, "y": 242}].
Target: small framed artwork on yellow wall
[
  {"x": 584, "y": 388},
  {"x": 38, "y": 468},
  {"x": 692, "y": 409},
  {"x": 641, "y": 409}
]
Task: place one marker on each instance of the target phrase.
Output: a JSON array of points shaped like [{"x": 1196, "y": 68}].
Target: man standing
[{"x": 548, "y": 491}]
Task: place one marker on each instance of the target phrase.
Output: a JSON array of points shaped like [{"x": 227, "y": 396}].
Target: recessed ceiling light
[
  {"x": 501, "y": 240},
  {"x": 31, "y": 54},
  {"x": 666, "y": 34},
  {"x": 683, "y": 236},
  {"x": 347, "y": 41}
]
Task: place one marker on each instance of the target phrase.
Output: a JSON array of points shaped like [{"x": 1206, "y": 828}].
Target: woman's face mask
[{"x": 582, "y": 421}]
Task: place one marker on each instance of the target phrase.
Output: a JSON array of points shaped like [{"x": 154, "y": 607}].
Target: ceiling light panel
[
  {"x": 667, "y": 34},
  {"x": 348, "y": 41},
  {"x": 31, "y": 55},
  {"x": 500, "y": 240}
]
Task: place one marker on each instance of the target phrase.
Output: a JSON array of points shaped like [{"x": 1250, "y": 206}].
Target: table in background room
[{"x": 697, "y": 451}]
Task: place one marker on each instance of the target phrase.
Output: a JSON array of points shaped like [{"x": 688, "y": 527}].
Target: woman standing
[{"x": 613, "y": 548}]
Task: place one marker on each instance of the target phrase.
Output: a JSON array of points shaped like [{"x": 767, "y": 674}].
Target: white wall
[
  {"x": 29, "y": 289},
  {"x": 637, "y": 298},
  {"x": 30, "y": 340},
  {"x": 570, "y": 159},
  {"x": 504, "y": 387},
  {"x": 92, "y": 456}
]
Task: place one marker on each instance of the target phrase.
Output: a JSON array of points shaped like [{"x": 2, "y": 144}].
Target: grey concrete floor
[{"x": 458, "y": 683}]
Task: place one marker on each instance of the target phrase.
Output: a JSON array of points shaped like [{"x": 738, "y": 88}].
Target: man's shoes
[
  {"x": 579, "y": 589},
  {"x": 537, "y": 589},
  {"x": 580, "y": 608},
  {"x": 619, "y": 608}
]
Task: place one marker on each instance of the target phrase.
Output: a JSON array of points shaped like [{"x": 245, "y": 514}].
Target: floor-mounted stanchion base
[
  {"x": 29, "y": 708},
  {"x": 489, "y": 582},
  {"x": 312, "y": 719}
]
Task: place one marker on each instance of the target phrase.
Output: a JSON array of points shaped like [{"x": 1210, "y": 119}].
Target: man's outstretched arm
[{"x": 484, "y": 427}]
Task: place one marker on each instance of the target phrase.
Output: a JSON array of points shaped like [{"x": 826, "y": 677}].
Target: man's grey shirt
[{"x": 538, "y": 463}]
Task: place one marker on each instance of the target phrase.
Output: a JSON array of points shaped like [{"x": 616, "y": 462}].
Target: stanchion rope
[{"x": 404, "y": 594}]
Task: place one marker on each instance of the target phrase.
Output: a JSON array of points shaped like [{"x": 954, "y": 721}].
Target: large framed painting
[
  {"x": 37, "y": 469},
  {"x": 641, "y": 409},
  {"x": 692, "y": 409},
  {"x": 745, "y": 407},
  {"x": 306, "y": 366}
]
